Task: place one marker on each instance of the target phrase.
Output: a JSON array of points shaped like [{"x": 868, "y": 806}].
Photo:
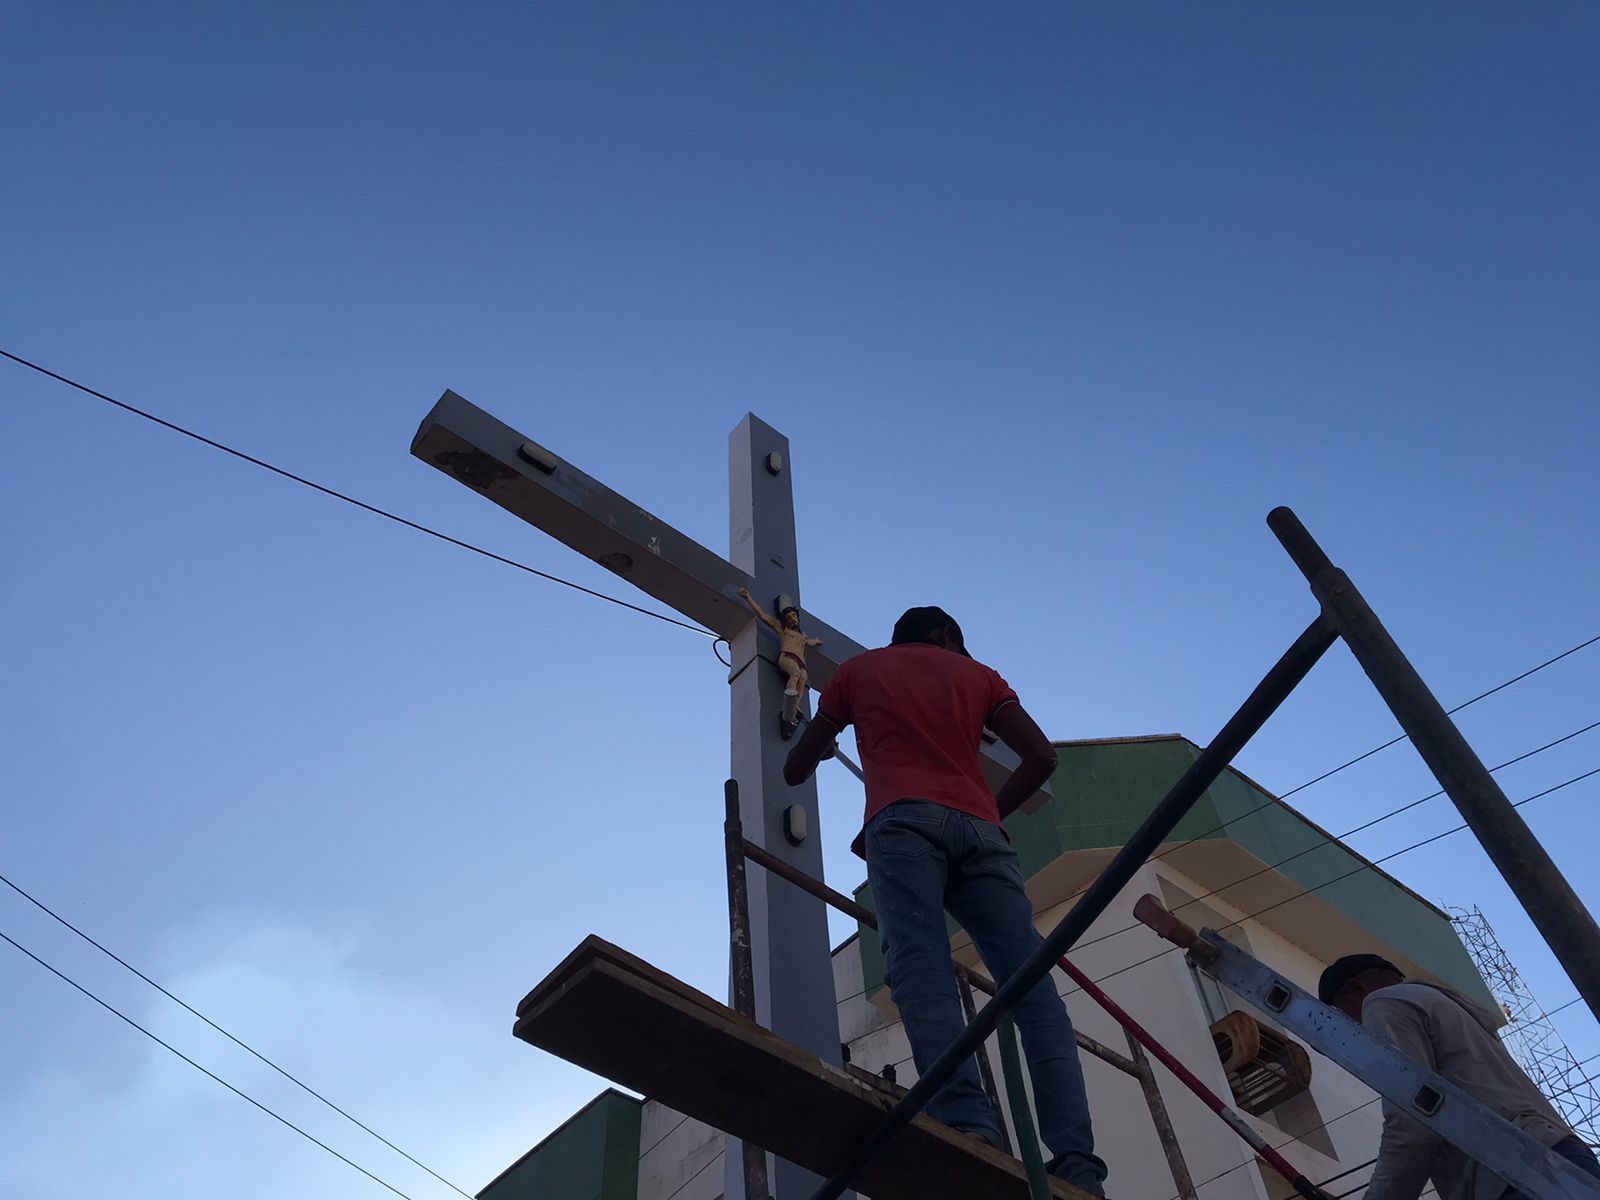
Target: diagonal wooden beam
[{"x": 487, "y": 455}]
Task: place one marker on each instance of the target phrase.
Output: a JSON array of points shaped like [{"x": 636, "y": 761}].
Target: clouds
[{"x": 143, "y": 1125}]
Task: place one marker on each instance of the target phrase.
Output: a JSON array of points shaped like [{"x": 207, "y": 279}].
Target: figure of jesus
[{"x": 792, "y": 643}]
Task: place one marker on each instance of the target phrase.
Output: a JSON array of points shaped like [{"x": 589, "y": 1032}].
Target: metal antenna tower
[{"x": 1530, "y": 1035}]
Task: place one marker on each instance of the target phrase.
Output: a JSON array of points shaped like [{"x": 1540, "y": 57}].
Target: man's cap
[
  {"x": 919, "y": 624},
  {"x": 1346, "y": 969}
]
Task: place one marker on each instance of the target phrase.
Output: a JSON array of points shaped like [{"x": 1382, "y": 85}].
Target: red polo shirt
[{"x": 919, "y": 713}]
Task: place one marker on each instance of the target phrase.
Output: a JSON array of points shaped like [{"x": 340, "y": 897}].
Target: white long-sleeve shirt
[{"x": 1447, "y": 1033}]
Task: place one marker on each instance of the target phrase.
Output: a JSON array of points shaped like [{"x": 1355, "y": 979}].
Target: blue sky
[{"x": 1055, "y": 302}]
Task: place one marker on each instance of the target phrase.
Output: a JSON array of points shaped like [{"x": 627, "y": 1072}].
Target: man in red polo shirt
[{"x": 933, "y": 841}]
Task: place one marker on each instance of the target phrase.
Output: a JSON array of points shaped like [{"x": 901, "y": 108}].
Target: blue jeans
[
  {"x": 1574, "y": 1151},
  {"x": 923, "y": 858}
]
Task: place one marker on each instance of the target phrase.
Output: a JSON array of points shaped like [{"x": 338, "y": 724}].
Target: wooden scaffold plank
[{"x": 612, "y": 1013}]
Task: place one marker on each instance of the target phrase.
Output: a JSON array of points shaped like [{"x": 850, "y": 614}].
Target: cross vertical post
[{"x": 789, "y": 929}]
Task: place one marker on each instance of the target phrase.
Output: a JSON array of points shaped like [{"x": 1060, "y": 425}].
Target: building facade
[{"x": 1242, "y": 862}]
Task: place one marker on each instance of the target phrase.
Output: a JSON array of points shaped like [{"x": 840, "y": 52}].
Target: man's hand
[
  {"x": 814, "y": 745},
  {"x": 745, "y": 592}
]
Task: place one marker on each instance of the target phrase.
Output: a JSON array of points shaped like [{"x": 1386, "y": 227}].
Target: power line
[
  {"x": 1349, "y": 763},
  {"x": 1268, "y": 803},
  {"x": 1499, "y": 687},
  {"x": 348, "y": 499},
  {"x": 209, "y": 1074},
  {"x": 1347, "y": 1172},
  {"x": 1349, "y": 1112},
  {"x": 1378, "y": 820},
  {"x": 1302, "y": 893},
  {"x": 1449, "y": 712},
  {"x": 1364, "y": 866},
  {"x": 682, "y": 1121},
  {"x": 1312, "y": 849},
  {"x": 119, "y": 960},
  {"x": 1289, "y": 1141},
  {"x": 1298, "y": 854},
  {"x": 704, "y": 1168}
]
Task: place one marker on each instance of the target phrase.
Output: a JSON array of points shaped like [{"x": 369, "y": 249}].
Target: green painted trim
[
  {"x": 1391, "y": 913},
  {"x": 593, "y": 1155}
]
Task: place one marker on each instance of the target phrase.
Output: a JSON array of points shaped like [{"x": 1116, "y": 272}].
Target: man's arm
[
  {"x": 1013, "y": 726},
  {"x": 1406, "y": 1152},
  {"x": 815, "y": 744},
  {"x": 762, "y": 614}
]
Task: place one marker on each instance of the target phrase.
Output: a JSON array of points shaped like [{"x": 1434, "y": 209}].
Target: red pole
[{"x": 1191, "y": 1081}]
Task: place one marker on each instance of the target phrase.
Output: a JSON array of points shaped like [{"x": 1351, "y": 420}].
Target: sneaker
[
  {"x": 1053, "y": 1169},
  {"x": 987, "y": 1137}
]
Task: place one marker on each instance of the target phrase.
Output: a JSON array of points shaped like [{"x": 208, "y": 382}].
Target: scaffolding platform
[{"x": 612, "y": 1013}]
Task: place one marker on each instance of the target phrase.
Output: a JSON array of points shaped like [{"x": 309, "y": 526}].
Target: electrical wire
[
  {"x": 1364, "y": 866},
  {"x": 1549, "y": 662},
  {"x": 714, "y": 1161},
  {"x": 122, "y": 962},
  {"x": 348, "y": 499},
  {"x": 1311, "y": 849},
  {"x": 209, "y": 1074},
  {"x": 1250, "y": 812},
  {"x": 1499, "y": 687},
  {"x": 1304, "y": 892},
  {"x": 684, "y": 1120},
  {"x": 1289, "y": 1141},
  {"x": 1378, "y": 820},
  {"x": 1371, "y": 1162},
  {"x": 377, "y": 511}
]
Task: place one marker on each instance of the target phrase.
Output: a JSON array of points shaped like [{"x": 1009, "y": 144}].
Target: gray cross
[{"x": 789, "y": 929}]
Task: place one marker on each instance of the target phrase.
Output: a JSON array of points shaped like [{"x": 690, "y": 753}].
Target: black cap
[
  {"x": 1346, "y": 969},
  {"x": 920, "y": 624}
]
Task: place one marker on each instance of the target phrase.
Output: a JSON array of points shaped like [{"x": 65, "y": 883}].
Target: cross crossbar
[{"x": 529, "y": 481}]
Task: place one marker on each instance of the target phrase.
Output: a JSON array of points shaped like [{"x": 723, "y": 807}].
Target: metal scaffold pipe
[{"x": 1528, "y": 869}]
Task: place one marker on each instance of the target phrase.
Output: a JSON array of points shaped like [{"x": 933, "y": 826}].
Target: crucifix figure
[
  {"x": 789, "y": 929},
  {"x": 791, "y": 656}
]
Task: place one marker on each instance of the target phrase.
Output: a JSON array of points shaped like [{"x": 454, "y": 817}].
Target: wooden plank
[
  {"x": 596, "y": 949},
  {"x": 611, "y": 1013}
]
